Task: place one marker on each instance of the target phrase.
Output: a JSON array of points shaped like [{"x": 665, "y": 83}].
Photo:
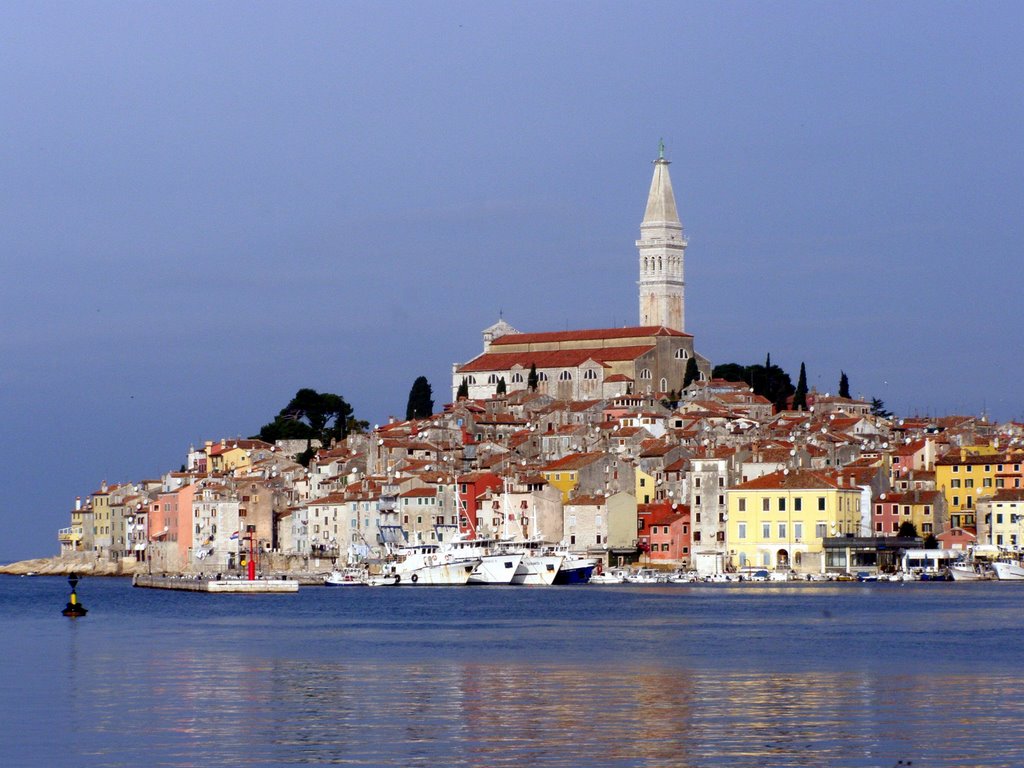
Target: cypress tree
[
  {"x": 421, "y": 401},
  {"x": 692, "y": 372},
  {"x": 462, "y": 393},
  {"x": 844, "y": 385},
  {"x": 532, "y": 380},
  {"x": 501, "y": 389},
  {"x": 800, "y": 396}
]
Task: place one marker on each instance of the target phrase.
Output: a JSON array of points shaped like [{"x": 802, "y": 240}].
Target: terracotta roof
[
  {"x": 573, "y": 461},
  {"x": 791, "y": 480},
  {"x": 558, "y": 358},
  {"x": 588, "y": 335}
]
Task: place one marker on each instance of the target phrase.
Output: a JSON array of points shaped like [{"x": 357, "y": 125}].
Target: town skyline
[{"x": 297, "y": 203}]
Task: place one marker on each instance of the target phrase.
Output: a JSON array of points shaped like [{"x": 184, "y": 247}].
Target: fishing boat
[{"x": 497, "y": 566}]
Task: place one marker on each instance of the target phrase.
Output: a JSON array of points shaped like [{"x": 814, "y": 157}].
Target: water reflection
[{"x": 216, "y": 708}]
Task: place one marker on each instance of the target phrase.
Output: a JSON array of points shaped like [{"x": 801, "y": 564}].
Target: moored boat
[
  {"x": 1007, "y": 571},
  {"x": 347, "y": 577}
]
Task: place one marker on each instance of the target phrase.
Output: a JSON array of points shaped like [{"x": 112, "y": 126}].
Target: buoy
[{"x": 74, "y": 609}]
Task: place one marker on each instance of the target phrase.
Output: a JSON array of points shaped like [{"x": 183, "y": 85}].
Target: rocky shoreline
[{"x": 62, "y": 566}]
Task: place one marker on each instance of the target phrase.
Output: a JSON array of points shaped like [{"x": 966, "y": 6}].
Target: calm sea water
[{"x": 675, "y": 675}]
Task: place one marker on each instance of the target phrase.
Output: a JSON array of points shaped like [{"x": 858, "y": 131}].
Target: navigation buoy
[{"x": 74, "y": 609}]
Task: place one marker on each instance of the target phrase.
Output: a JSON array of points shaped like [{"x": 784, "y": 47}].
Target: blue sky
[{"x": 206, "y": 206}]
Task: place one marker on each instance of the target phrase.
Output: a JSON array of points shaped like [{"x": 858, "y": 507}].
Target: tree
[
  {"x": 800, "y": 396},
  {"x": 312, "y": 415},
  {"x": 769, "y": 381},
  {"x": 907, "y": 530},
  {"x": 844, "y": 385},
  {"x": 532, "y": 380},
  {"x": 878, "y": 409},
  {"x": 502, "y": 388},
  {"x": 421, "y": 401},
  {"x": 930, "y": 542},
  {"x": 692, "y": 372},
  {"x": 462, "y": 393}
]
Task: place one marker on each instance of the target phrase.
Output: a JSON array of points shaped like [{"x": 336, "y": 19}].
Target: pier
[{"x": 224, "y": 585}]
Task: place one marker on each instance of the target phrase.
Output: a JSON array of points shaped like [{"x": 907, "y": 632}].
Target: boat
[
  {"x": 683, "y": 577},
  {"x": 1008, "y": 571},
  {"x": 537, "y": 567},
  {"x": 611, "y": 576},
  {"x": 575, "y": 568},
  {"x": 348, "y": 577},
  {"x": 968, "y": 571},
  {"x": 497, "y": 566},
  {"x": 423, "y": 564},
  {"x": 645, "y": 576}
]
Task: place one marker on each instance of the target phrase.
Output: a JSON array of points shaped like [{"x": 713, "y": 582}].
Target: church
[{"x": 649, "y": 358}]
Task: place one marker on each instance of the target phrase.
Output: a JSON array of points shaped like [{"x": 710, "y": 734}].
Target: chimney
[{"x": 78, "y": 503}]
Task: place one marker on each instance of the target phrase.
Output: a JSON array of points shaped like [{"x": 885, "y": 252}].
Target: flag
[{"x": 234, "y": 536}]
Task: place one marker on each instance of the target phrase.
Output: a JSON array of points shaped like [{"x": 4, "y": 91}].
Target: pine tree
[
  {"x": 462, "y": 393},
  {"x": 532, "y": 380},
  {"x": 844, "y": 385},
  {"x": 800, "y": 396},
  {"x": 502, "y": 388},
  {"x": 421, "y": 401}
]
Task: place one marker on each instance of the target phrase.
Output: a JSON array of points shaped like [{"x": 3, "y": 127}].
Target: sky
[{"x": 207, "y": 206}]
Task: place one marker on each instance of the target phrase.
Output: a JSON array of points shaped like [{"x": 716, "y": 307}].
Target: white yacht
[
  {"x": 347, "y": 577},
  {"x": 423, "y": 564}
]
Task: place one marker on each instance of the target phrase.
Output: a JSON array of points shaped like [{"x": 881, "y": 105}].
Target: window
[
  {"x": 743, "y": 505},
  {"x": 765, "y": 504},
  {"x": 696, "y": 482},
  {"x": 572, "y": 538},
  {"x": 664, "y": 385},
  {"x": 590, "y": 374},
  {"x": 721, "y": 499},
  {"x": 878, "y": 526},
  {"x": 645, "y": 373},
  {"x": 766, "y": 530},
  {"x": 565, "y": 376},
  {"x": 821, "y": 503},
  {"x": 782, "y": 504},
  {"x": 682, "y": 354},
  {"x": 878, "y": 509},
  {"x": 797, "y": 504},
  {"x": 492, "y": 379},
  {"x": 782, "y": 530},
  {"x": 517, "y": 378},
  {"x": 696, "y": 501},
  {"x": 798, "y": 531},
  {"x": 542, "y": 376},
  {"x": 741, "y": 531},
  {"x": 820, "y": 530}
]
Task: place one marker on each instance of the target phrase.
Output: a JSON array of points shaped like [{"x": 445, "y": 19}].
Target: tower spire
[{"x": 662, "y": 247}]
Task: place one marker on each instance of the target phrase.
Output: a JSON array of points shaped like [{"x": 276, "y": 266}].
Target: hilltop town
[{"x": 618, "y": 442}]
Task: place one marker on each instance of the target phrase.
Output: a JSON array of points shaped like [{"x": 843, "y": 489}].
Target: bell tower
[{"x": 662, "y": 246}]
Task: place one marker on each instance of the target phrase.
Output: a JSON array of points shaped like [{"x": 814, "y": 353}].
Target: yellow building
[
  {"x": 964, "y": 476},
  {"x": 645, "y": 487},
  {"x": 1001, "y": 519},
  {"x": 566, "y": 473},
  {"x": 779, "y": 520}
]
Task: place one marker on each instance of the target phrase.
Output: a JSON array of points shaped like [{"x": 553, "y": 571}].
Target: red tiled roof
[
  {"x": 587, "y": 335},
  {"x": 559, "y": 358}
]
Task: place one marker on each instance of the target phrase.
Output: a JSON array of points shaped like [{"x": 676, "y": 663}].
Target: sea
[{"x": 818, "y": 674}]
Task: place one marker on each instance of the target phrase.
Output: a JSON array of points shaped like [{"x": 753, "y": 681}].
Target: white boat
[
  {"x": 645, "y": 576},
  {"x": 348, "y": 577},
  {"x": 1007, "y": 571},
  {"x": 611, "y": 576},
  {"x": 536, "y": 567},
  {"x": 683, "y": 577},
  {"x": 575, "y": 568},
  {"x": 967, "y": 571},
  {"x": 423, "y": 564},
  {"x": 497, "y": 566}
]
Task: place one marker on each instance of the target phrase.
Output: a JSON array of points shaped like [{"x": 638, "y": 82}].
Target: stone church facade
[{"x": 605, "y": 362}]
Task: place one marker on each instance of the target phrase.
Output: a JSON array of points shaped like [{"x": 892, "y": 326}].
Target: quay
[{"x": 224, "y": 585}]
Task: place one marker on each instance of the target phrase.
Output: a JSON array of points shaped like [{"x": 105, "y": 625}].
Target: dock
[{"x": 221, "y": 586}]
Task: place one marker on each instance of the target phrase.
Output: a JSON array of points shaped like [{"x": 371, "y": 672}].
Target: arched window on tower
[
  {"x": 565, "y": 376},
  {"x": 492, "y": 379},
  {"x": 590, "y": 374},
  {"x": 645, "y": 373},
  {"x": 664, "y": 385},
  {"x": 682, "y": 354},
  {"x": 541, "y": 376},
  {"x": 517, "y": 378}
]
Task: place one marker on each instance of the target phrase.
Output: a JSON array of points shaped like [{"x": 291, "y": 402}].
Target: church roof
[
  {"x": 594, "y": 334},
  {"x": 557, "y": 358}
]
